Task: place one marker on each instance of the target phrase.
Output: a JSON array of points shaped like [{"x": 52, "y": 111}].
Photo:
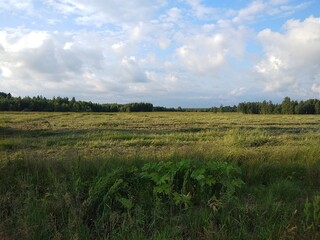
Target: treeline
[
  {"x": 59, "y": 104},
  {"x": 213, "y": 109},
  {"x": 64, "y": 104},
  {"x": 288, "y": 106}
]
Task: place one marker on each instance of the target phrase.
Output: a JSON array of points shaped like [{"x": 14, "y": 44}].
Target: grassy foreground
[{"x": 159, "y": 176}]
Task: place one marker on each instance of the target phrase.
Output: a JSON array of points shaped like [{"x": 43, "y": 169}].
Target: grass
[{"x": 159, "y": 176}]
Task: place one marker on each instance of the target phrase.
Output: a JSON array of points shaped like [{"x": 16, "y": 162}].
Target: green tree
[
  {"x": 287, "y": 106},
  {"x": 317, "y": 107}
]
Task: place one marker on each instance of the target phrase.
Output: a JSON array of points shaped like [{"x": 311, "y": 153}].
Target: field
[{"x": 159, "y": 176}]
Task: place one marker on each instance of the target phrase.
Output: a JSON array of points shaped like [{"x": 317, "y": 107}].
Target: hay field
[{"x": 173, "y": 175}]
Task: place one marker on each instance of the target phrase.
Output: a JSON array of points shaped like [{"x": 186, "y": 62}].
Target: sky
[{"x": 188, "y": 53}]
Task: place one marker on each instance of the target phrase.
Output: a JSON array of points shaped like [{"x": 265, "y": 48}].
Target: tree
[
  {"x": 266, "y": 107},
  {"x": 317, "y": 107},
  {"x": 3, "y": 95},
  {"x": 287, "y": 106}
]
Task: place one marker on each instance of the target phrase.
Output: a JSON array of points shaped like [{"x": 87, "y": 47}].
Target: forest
[
  {"x": 64, "y": 104},
  {"x": 288, "y": 106}
]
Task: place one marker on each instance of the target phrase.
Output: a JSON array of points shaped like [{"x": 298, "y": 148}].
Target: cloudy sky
[{"x": 189, "y": 53}]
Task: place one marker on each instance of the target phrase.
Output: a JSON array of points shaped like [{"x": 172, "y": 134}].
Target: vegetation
[
  {"x": 59, "y": 104},
  {"x": 288, "y": 106},
  {"x": 159, "y": 176}
]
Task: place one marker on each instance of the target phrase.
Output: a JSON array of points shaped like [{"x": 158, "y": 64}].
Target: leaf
[
  {"x": 126, "y": 203},
  {"x": 184, "y": 199},
  {"x": 164, "y": 188},
  {"x": 198, "y": 174},
  {"x": 114, "y": 188}
]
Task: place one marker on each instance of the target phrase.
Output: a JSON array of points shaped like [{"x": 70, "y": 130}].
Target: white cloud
[
  {"x": 250, "y": 12},
  {"x": 138, "y": 31},
  {"x": 14, "y": 5},
  {"x": 164, "y": 43},
  {"x": 15, "y": 41},
  {"x": 76, "y": 63},
  {"x": 200, "y": 10},
  {"x": 208, "y": 52},
  {"x": 260, "y": 9},
  {"x": 292, "y": 58},
  {"x": 238, "y": 91},
  {"x": 5, "y": 72},
  {"x": 202, "y": 54},
  {"x": 119, "y": 48},
  {"x": 68, "y": 45},
  {"x": 278, "y": 2},
  {"x": 103, "y": 12},
  {"x": 316, "y": 88},
  {"x": 174, "y": 14},
  {"x": 131, "y": 71},
  {"x": 39, "y": 59}
]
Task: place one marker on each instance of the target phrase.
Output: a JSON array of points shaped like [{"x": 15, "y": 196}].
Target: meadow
[{"x": 156, "y": 175}]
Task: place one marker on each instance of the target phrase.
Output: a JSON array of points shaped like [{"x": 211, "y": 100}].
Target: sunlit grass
[{"x": 97, "y": 133}]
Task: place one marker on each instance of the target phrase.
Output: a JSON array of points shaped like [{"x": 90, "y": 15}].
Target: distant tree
[
  {"x": 287, "y": 106},
  {"x": 317, "y": 107},
  {"x": 309, "y": 106},
  {"x": 59, "y": 104},
  {"x": 298, "y": 109},
  {"x": 3, "y": 95},
  {"x": 277, "y": 109},
  {"x": 221, "y": 108}
]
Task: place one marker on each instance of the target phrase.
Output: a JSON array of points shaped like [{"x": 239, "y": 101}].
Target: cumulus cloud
[
  {"x": 121, "y": 61},
  {"x": 202, "y": 53},
  {"x": 131, "y": 71},
  {"x": 207, "y": 52},
  {"x": 15, "y": 41},
  {"x": 316, "y": 89},
  {"x": 33, "y": 62},
  {"x": 46, "y": 60},
  {"x": 5, "y": 72},
  {"x": 154, "y": 48},
  {"x": 292, "y": 58}
]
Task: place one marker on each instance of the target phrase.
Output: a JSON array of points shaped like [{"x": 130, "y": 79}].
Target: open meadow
[{"x": 155, "y": 175}]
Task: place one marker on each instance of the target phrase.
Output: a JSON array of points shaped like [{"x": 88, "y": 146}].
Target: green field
[{"x": 159, "y": 176}]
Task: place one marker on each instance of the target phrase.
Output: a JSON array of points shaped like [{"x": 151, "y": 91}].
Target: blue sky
[{"x": 188, "y": 53}]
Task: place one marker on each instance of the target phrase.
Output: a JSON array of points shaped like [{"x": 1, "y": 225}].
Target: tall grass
[{"x": 166, "y": 199}]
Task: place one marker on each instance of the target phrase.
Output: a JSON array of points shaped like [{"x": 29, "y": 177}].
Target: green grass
[{"x": 159, "y": 176}]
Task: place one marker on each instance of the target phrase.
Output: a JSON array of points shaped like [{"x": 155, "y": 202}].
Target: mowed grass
[
  {"x": 88, "y": 176},
  {"x": 93, "y": 135}
]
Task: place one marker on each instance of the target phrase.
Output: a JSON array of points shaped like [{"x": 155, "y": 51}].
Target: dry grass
[{"x": 91, "y": 135}]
